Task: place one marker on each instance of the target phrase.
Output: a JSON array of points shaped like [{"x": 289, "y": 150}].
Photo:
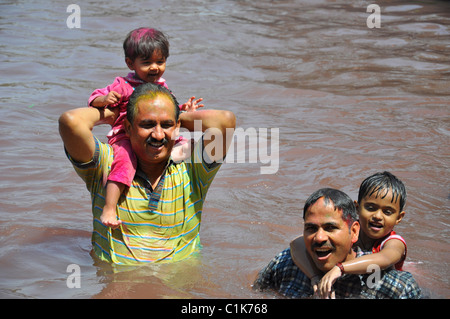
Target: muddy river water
[{"x": 336, "y": 99}]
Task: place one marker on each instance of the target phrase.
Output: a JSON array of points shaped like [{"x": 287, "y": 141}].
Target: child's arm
[
  {"x": 391, "y": 254},
  {"x": 303, "y": 261},
  {"x": 103, "y": 100}
]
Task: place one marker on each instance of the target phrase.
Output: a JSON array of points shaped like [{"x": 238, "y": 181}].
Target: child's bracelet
[{"x": 341, "y": 267}]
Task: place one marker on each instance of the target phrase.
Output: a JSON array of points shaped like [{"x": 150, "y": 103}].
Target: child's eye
[
  {"x": 370, "y": 208},
  {"x": 388, "y": 212}
]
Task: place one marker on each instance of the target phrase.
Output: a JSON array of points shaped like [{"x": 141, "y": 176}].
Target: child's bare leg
[{"x": 113, "y": 192}]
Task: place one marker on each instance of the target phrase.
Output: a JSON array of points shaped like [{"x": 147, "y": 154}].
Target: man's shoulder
[
  {"x": 283, "y": 276},
  {"x": 93, "y": 171}
]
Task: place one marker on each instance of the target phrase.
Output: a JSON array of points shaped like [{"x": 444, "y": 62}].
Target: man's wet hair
[{"x": 340, "y": 201}]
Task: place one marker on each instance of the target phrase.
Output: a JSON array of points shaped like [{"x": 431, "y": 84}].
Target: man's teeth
[
  {"x": 321, "y": 252},
  {"x": 155, "y": 144}
]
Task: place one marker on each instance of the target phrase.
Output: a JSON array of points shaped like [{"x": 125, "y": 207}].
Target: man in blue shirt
[{"x": 331, "y": 228}]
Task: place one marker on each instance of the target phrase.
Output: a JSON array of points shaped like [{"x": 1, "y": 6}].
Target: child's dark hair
[
  {"x": 380, "y": 184},
  {"x": 143, "y": 42}
]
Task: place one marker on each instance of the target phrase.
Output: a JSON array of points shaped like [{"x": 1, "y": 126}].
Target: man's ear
[
  {"x": 129, "y": 63},
  {"x": 127, "y": 125},
  {"x": 354, "y": 231},
  {"x": 177, "y": 128}
]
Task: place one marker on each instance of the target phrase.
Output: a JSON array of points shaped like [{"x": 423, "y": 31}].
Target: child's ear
[
  {"x": 129, "y": 63},
  {"x": 356, "y": 204},
  {"x": 400, "y": 217}
]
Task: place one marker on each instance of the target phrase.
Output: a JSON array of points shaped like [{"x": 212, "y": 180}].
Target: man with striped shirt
[{"x": 161, "y": 212}]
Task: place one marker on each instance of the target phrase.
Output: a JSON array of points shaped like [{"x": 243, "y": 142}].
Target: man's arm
[
  {"x": 75, "y": 128},
  {"x": 218, "y": 126}
]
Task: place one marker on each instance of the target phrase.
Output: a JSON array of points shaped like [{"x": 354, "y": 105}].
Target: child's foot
[{"x": 109, "y": 217}]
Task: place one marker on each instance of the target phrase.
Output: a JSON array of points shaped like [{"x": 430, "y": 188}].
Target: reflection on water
[{"x": 347, "y": 100}]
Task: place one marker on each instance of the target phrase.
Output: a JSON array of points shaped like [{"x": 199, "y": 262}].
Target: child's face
[
  {"x": 378, "y": 216},
  {"x": 149, "y": 70}
]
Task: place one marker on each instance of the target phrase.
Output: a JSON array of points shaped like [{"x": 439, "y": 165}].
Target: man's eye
[
  {"x": 147, "y": 125},
  {"x": 310, "y": 229},
  {"x": 331, "y": 228},
  {"x": 167, "y": 125}
]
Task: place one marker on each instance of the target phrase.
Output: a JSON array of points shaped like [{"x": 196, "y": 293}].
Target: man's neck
[
  {"x": 153, "y": 171},
  {"x": 351, "y": 255}
]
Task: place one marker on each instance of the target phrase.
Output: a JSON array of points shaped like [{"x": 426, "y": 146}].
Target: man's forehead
[
  {"x": 323, "y": 208},
  {"x": 322, "y": 204},
  {"x": 146, "y": 104}
]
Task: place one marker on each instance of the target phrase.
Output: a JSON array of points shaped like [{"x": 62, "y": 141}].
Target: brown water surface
[{"x": 348, "y": 101}]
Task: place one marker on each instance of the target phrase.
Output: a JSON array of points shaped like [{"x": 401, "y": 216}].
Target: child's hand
[
  {"x": 315, "y": 284},
  {"x": 108, "y": 99},
  {"x": 112, "y": 222},
  {"x": 327, "y": 281},
  {"x": 191, "y": 105},
  {"x": 111, "y": 98}
]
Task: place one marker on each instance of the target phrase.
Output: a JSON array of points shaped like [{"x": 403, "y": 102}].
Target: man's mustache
[
  {"x": 322, "y": 246},
  {"x": 151, "y": 140}
]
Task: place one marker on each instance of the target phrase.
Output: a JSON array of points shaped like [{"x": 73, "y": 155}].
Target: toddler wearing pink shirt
[{"x": 146, "y": 51}]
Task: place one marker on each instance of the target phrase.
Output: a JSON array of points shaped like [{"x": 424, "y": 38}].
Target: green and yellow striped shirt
[{"x": 158, "y": 225}]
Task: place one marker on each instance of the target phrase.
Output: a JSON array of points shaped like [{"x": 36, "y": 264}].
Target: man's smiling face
[
  {"x": 154, "y": 130},
  {"x": 328, "y": 238}
]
